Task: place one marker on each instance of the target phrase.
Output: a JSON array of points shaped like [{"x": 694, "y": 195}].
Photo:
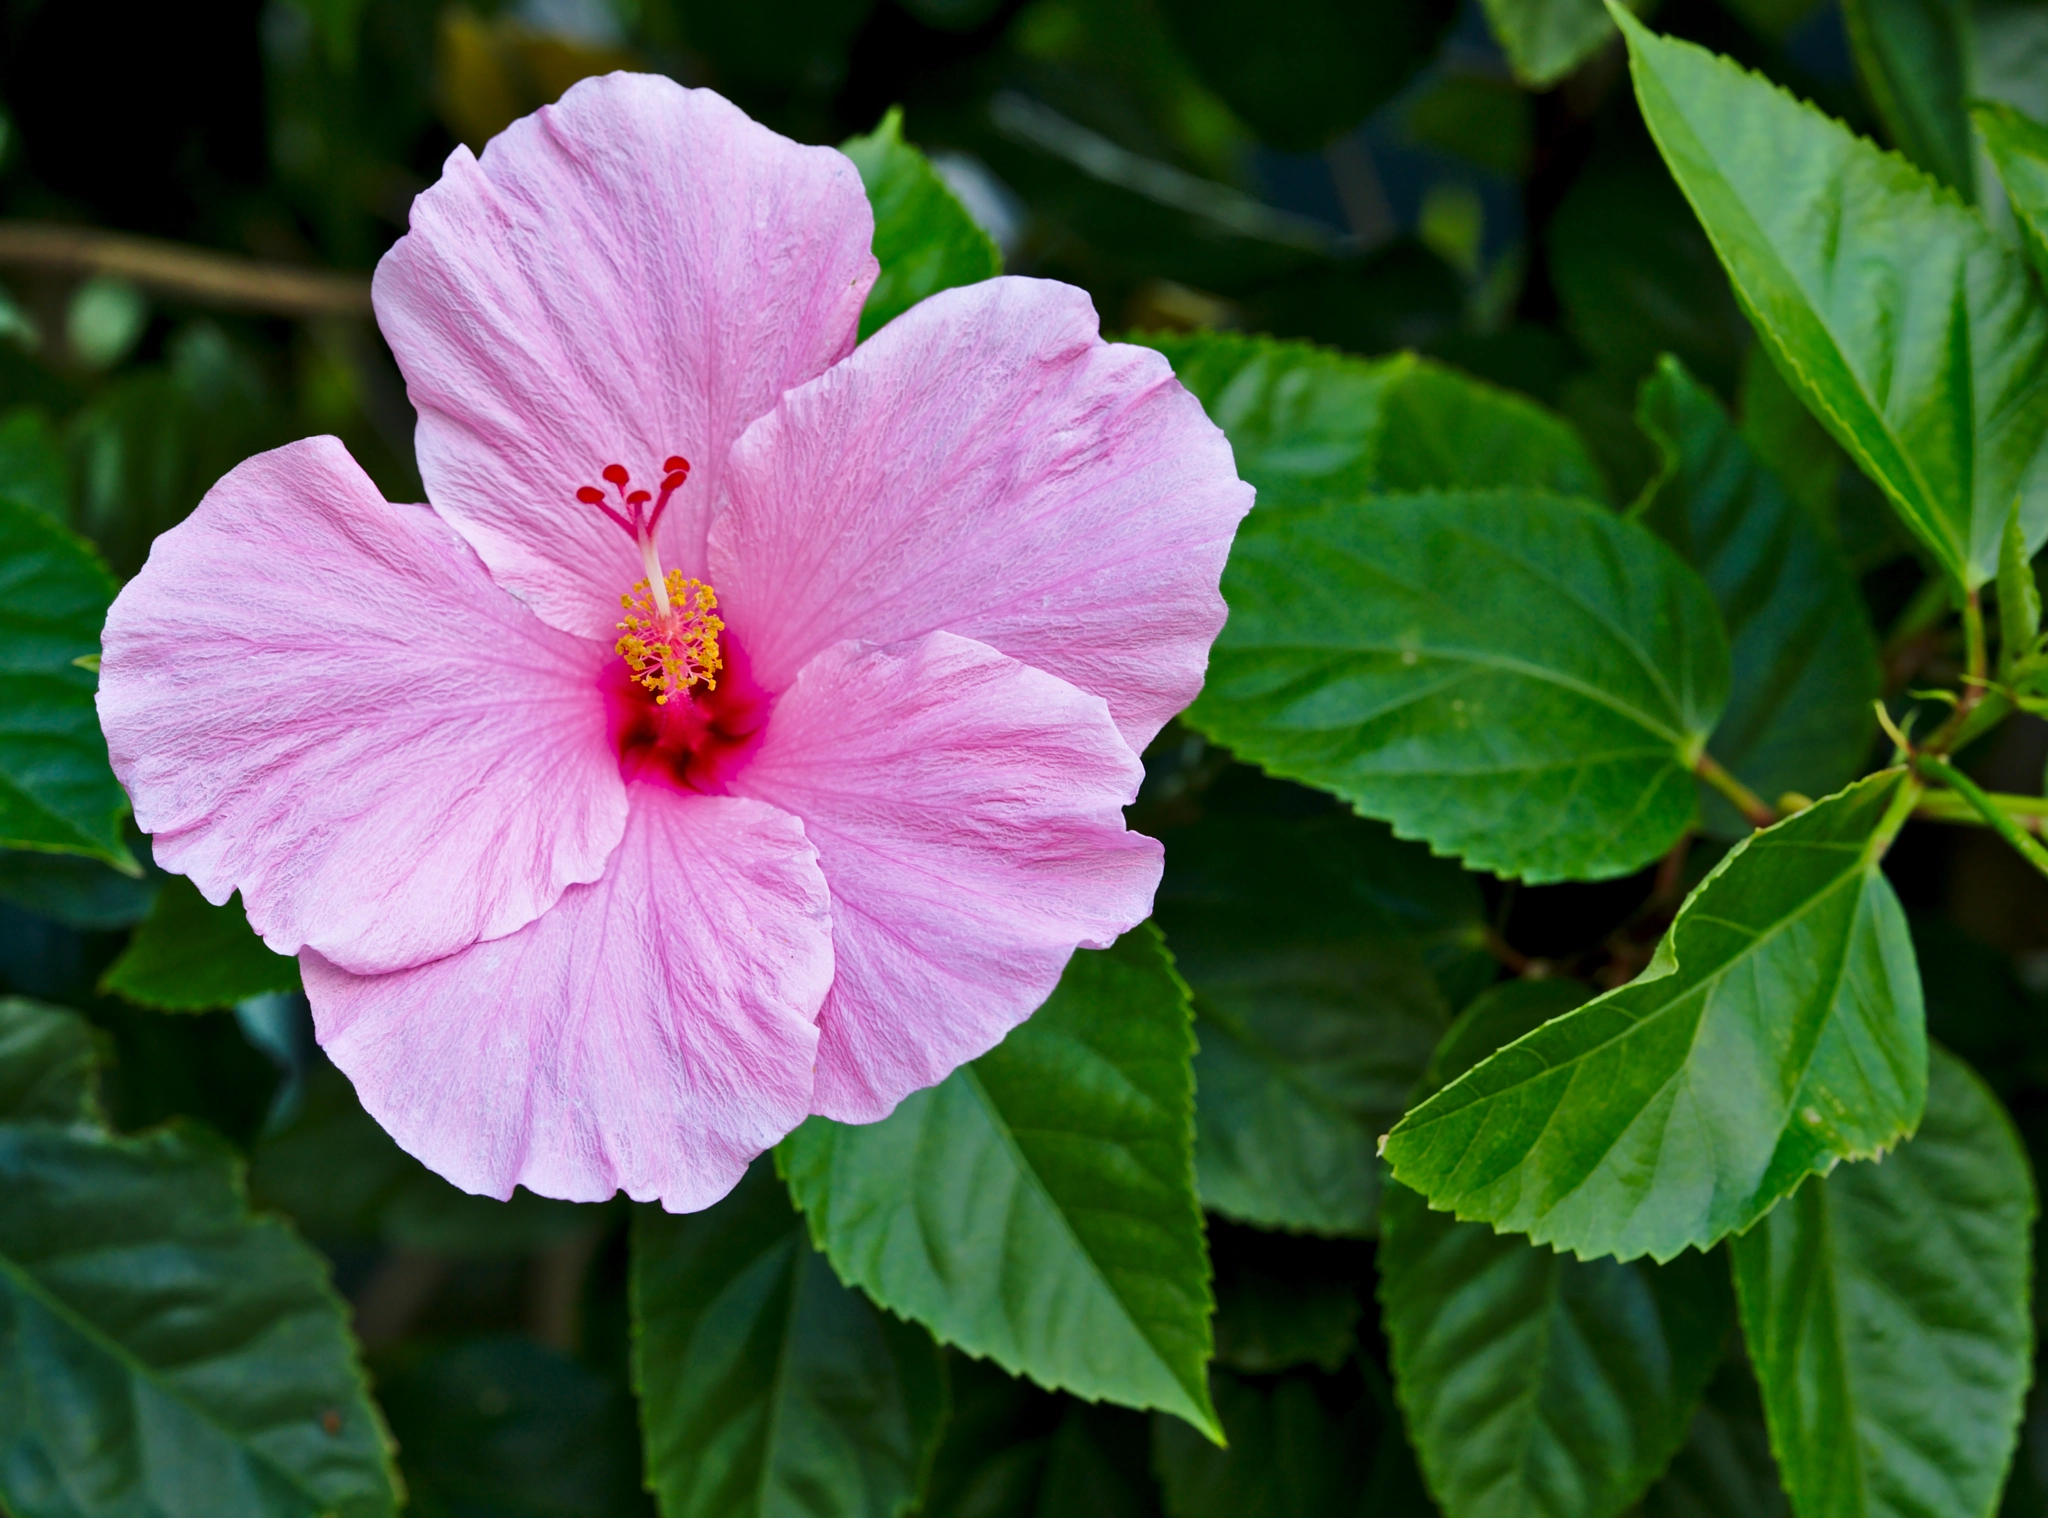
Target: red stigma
[{"x": 636, "y": 518}]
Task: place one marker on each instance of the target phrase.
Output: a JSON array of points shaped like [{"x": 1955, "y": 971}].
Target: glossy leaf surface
[
  {"x": 1533, "y": 1382},
  {"x": 1804, "y": 659},
  {"x": 56, "y": 792},
  {"x": 1886, "y": 1309},
  {"x": 767, "y": 1388},
  {"x": 1778, "y": 1030},
  {"x": 1038, "y": 1206},
  {"x": 924, "y": 239},
  {"x": 1514, "y": 677},
  {"x": 162, "y": 1350},
  {"x": 1903, "y": 322}
]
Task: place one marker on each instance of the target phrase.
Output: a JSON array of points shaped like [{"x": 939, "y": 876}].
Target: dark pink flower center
[
  {"x": 693, "y": 742},
  {"x": 681, "y": 705}
]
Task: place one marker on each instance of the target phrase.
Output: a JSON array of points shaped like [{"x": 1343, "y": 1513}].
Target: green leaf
[
  {"x": 1725, "y": 1468},
  {"x": 56, "y": 792},
  {"x": 1887, "y": 1312},
  {"x": 924, "y": 239},
  {"x": 1038, "y": 1205},
  {"x": 1914, "y": 58},
  {"x": 1314, "y": 1008},
  {"x": 2019, "y": 151},
  {"x": 1547, "y": 39},
  {"x": 49, "y": 1064},
  {"x": 2019, "y": 600},
  {"x": 1777, "y": 1030},
  {"x": 77, "y": 891},
  {"x": 505, "y": 1428},
  {"x": 1514, "y": 677},
  {"x": 1300, "y": 1447},
  {"x": 1907, "y": 327},
  {"x": 1534, "y": 1382},
  {"x": 342, "y": 1179},
  {"x": 158, "y": 1342},
  {"x": 766, "y": 1387},
  {"x": 1803, "y": 656},
  {"x": 1310, "y": 427},
  {"x": 191, "y": 956},
  {"x": 1309, "y": 69}
]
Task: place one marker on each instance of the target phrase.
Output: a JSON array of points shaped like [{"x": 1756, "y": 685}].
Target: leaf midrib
[
  {"x": 1637, "y": 1024},
  {"x": 1533, "y": 672},
  {"x": 992, "y": 1110},
  {"x": 1777, "y": 265}
]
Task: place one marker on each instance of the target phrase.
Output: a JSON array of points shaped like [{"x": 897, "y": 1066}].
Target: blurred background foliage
[{"x": 1470, "y": 181}]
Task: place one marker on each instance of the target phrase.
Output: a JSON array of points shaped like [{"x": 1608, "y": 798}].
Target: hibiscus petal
[
  {"x": 967, "y": 811},
  {"x": 322, "y": 700},
  {"x": 652, "y": 1033},
  {"x": 634, "y": 272},
  {"x": 988, "y": 465}
]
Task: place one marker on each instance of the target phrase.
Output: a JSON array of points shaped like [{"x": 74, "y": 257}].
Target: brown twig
[{"x": 195, "y": 274}]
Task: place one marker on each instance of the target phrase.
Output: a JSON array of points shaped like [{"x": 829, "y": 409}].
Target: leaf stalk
[
  {"x": 1755, "y": 810},
  {"x": 1993, "y": 810}
]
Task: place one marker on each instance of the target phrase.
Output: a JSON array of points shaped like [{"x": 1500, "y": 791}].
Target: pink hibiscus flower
[{"x": 591, "y": 898}]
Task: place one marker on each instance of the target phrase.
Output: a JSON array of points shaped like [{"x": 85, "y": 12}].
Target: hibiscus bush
[{"x": 1005, "y": 757}]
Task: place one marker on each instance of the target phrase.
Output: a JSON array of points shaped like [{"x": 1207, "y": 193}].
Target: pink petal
[
  {"x": 635, "y": 272},
  {"x": 967, "y": 811},
  {"x": 988, "y": 465},
  {"x": 321, "y": 700},
  {"x": 652, "y": 1033}
]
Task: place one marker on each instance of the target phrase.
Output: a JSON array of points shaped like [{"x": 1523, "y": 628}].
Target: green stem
[
  {"x": 1755, "y": 810},
  {"x": 1987, "y": 807},
  {"x": 1976, "y": 670},
  {"x": 2027, "y": 812}
]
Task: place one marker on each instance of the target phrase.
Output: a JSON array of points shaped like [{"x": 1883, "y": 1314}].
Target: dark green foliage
[
  {"x": 767, "y": 1387},
  {"x": 1524, "y": 1102},
  {"x": 189, "y": 955},
  {"x": 56, "y": 793},
  {"x": 1803, "y": 659},
  {"x": 157, "y": 1340},
  {"x": 1038, "y": 1206}
]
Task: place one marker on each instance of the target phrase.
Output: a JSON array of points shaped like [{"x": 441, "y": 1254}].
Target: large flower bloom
[{"x": 591, "y": 898}]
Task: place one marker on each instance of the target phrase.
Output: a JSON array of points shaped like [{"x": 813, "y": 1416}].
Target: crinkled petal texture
[
  {"x": 636, "y": 271},
  {"x": 322, "y": 700},
  {"x": 652, "y": 1033},
  {"x": 987, "y": 465},
  {"x": 967, "y": 811}
]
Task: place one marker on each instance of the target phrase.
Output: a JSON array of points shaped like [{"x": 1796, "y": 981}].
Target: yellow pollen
[{"x": 671, "y": 648}]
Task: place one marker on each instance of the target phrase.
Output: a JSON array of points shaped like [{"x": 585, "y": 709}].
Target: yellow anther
[{"x": 672, "y": 652}]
